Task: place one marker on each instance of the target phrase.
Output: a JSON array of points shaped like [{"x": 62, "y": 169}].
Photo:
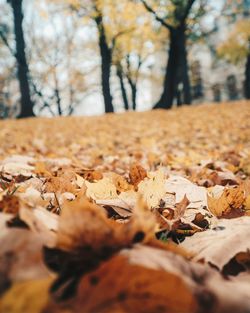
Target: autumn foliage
[{"x": 137, "y": 212}]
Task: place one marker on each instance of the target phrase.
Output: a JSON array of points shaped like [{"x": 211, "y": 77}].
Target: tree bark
[
  {"x": 106, "y": 60},
  {"x": 247, "y": 78},
  {"x": 176, "y": 71},
  {"x": 133, "y": 93},
  {"x": 123, "y": 89},
  {"x": 22, "y": 66},
  {"x": 187, "y": 98}
]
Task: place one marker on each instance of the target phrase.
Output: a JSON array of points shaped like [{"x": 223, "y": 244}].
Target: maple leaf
[{"x": 230, "y": 201}]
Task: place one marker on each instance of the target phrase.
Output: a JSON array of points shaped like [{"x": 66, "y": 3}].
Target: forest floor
[{"x": 136, "y": 212}]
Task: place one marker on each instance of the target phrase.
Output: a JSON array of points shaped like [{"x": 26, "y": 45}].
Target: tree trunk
[
  {"x": 247, "y": 78},
  {"x": 22, "y": 66},
  {"x": 106, "y": 59},
  {"x": 176, "y": 71},
  {"x": 187, "y": 98},
  {"x": 133, "y": 93},
  {"x": 123, "y": 89},
  {"x": 58, "y": 102}
]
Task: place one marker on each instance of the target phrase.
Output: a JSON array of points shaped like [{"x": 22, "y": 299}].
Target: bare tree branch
[
  {"x": 41, "y": 96},
  {"x": 121, "y": 33},
  {"x": 187, "y": 10},
  {"x": 158, "y": 18},
  {"x": 5, "y": 41}
]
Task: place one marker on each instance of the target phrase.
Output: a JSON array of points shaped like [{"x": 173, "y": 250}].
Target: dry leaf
[
  {"x": 162, "y": 281},
  {"x": 28, "y": 296},
  {"x": 41, "y": 222},
  {"x": 181, "y": 207},
  {"x": 76, "y": 232},
  {"x": 59, "y": 184},
  {"x": 108, "y": 288},
  {"x": 41, "y": 169},
  {"x": 220, "y": 244},
  {"x": 103, "y": 189},
  {"x": 20, "y": 256},
  {"x": 230, "y": 200},
  {"x": 120, "y": 183},
  {"x": 136, "y": 174},
  {"x": 90, "y": 175},
  {"x": 10, "y": 204},
  {"x": 153, "y": 188}
]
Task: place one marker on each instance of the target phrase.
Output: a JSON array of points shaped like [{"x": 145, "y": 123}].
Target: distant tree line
[{"x": 129, "y": 35}]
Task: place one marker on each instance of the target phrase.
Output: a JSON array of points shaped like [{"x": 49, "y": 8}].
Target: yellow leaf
[
  {"x": 231, "y": 199},
  {"x": 153, "y": 188},
  {"x": 26, "y": 297},
  {"x": 247, "y": 205},
  {"x": 103, "y": 189}
]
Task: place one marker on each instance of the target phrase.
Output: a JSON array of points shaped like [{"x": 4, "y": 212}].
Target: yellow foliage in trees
[{"x": 237, "y": 46}]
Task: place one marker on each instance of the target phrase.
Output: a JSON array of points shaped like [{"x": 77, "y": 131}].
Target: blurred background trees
[
  {"x": 68, "y": 57},
  {"x": 236, "y": 49}
]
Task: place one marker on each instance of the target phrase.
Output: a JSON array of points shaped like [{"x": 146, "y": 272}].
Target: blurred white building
[{"x": 215, "y": 79}]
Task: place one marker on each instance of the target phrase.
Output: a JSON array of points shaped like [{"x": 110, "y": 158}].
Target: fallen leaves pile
[{"x": 136, "y": 212}]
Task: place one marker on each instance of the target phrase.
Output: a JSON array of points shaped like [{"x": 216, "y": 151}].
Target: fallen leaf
[
  {"x": 103, "y": 189},
  {"x": 120, "y": 183},
  {"x": 181, "y": 207},
  {"x": 90, "y": 175},
  {"x": 221, "y": 243},
  {"x": 28, "y": 296},
  {"x": 10, "y": 204},
  {"x": 136, "y": 174},
  {"x": 20, "y": 256},
  {"x": 154, "y": 278},
  {"x": 59, "y": 184},
  {"x": 231, "y": 200},
  {"x": 153, "y": 188}
]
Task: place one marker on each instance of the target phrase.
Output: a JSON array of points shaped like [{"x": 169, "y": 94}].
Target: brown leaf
[
  {"x": 108, "y": 288},
  {"x": 10, "y": 204},
  {"x": 149, "y": 280},
  {"x": 231, "y": 200},
  {"x": 90, "y": 175},
  {"x": 41, "y": 169},
  {"x": 223, "y": 178},
  {"x": 83, "y": 224},
  {"x": 136, "y": 174},
  {"x": 59, "y": 184},
  {"x": 120, "y": 183},
  {"x": 180, "y": 208}
]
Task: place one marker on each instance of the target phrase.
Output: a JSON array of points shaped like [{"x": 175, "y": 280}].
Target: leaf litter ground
[{"x": 135, "y": 212}]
